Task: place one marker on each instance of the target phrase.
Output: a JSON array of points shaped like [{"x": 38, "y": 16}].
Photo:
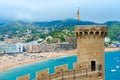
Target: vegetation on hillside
[
  {"x": 57, "y": 29},
  {"x": 113, "y": 30}
]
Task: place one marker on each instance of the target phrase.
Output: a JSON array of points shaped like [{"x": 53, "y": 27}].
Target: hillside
[
  {"x": 20, "y": 28},
  {"x": 113, "y": 30},
  {"x": 58, "y": 24}
]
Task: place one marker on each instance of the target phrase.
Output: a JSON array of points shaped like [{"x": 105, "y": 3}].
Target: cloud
[{"x": 42, "y": 10}]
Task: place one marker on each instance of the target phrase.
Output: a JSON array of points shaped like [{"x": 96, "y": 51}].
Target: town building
[
  {"x": 34, "y": 47},
  {"x": 11, "y": 48},
  {"x": 115, "y": 44},
  {"x": 64, "y": 46}
]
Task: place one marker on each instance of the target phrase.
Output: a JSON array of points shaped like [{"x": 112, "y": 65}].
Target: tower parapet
[{"x": 87, "y": 31}]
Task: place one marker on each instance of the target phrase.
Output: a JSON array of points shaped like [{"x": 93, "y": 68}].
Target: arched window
[
  {"x": 76, "y": 33},
  {"x": 80, "y": 33},
  {"x": 86, "y": 33},
  {"x": 102, "y": 33},
  {"x": 97, "y": 33},
  {"x": 91, "y": 33},
  {"x": 105, "y": 34},
  {"x": 93, "y": 65}
]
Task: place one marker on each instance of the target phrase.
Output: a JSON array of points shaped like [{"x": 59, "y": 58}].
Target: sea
[{"x": 112, "y": 67}]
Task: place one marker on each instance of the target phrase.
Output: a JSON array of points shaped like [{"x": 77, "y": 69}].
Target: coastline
[
  {"x": 33, "y": 63},
  {"x": 112, "y": 49},
  {"x": 44, "y": 56}
]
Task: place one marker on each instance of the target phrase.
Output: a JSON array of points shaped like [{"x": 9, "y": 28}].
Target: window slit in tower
[
  {"x": 102, "y": 34},
  {"x": 86, "y": 33},
  {"x": 81, "y": 34},
  {"x": 76, "y": 34},
  {"x": 91, "y": 33},
  {"x": 97, "y": 33},
  {"x": 105, "y": 34}
]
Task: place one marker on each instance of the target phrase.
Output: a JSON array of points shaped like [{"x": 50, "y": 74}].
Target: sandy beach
[{"x": 10, "y": 61}]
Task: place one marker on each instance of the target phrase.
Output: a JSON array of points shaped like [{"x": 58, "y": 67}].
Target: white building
[
  {"x": 116, "y": 43},
  {"x": 107, "y": 39},
  {"x": 11, "y": 48}
]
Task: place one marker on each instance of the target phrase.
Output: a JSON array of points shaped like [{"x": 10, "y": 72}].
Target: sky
[{"x": 48, "y": 10}]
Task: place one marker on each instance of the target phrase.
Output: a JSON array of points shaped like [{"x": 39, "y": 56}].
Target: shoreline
[
  {"x": 45, "y": 56},
  {"x": 34, "y": 62},
  {"x": 28, "y": 62},
  {"x": 21, "y": 65},
  {"x": 112, "y": 49}
]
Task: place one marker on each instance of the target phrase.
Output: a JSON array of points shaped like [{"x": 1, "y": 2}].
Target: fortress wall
[
  {"x": 62, "y": 73},
  {"x": 25, "y": 77},
  {"x": 61, "y": 68},
  {"x": 42, "y": 75},
  {"x": 52, "y": 77}
]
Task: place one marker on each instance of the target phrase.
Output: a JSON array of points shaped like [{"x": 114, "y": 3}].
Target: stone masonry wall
[{"x": 90, "y": 45}]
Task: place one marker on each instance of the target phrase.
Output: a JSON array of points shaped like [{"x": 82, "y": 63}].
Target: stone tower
[{"x": 90, "y": 46}]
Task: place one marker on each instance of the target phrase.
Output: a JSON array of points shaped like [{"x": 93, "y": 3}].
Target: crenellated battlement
[
  {"x": 86, "y": 31},
  {"x": 62, "y": 73}
]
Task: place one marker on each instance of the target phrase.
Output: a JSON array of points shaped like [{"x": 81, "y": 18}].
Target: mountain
[
  {"x": 2, "y": 23},
  {"x": 59, "y": 24},
  {"x": 67, "y": 22},
  {"x": 109, "y": 23},
  {"x": 10, "y": 28}
]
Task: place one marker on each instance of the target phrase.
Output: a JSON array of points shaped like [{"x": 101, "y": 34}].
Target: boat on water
[
  {"x": 118, "y": 61},
  {"x": 113, "y": 70},
  {"x": 54, "y": 59},
  {"x": 117, "y": 66}
]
